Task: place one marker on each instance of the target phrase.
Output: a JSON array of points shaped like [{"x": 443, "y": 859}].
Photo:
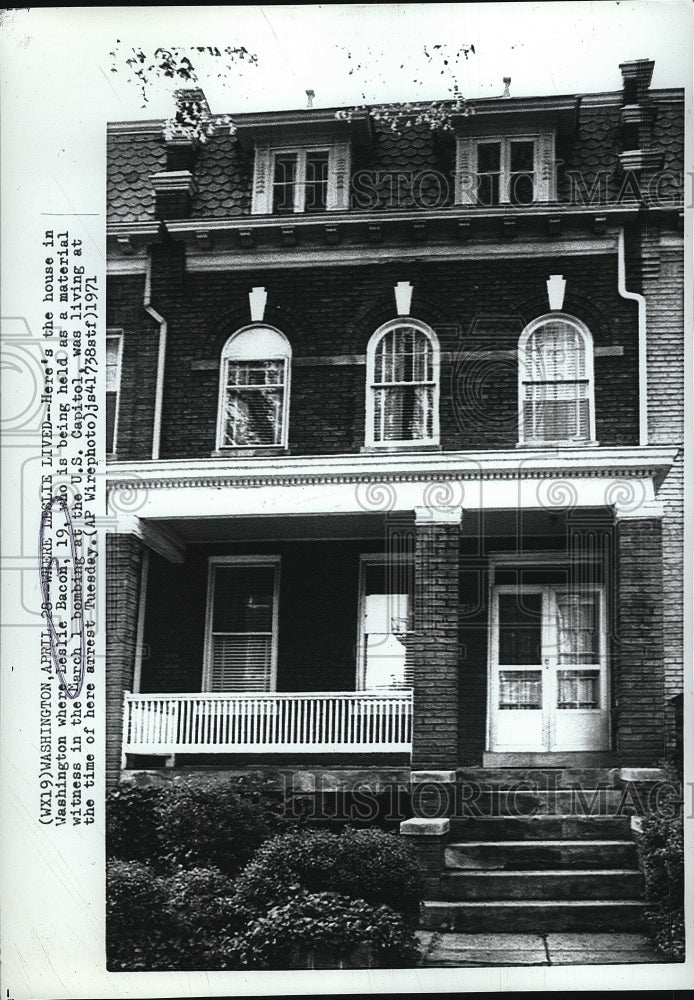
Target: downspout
[
  {"x": 643, "y": 359},
  {"x": 161, "y": 358}
]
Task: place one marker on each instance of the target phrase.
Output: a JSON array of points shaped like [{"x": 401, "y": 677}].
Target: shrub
[
  {"x": 661, "y": 850},
  {"x": 135, "y": 898},
  {"x": 131, "y": 822},
  {"x": 178, "y": 923},
  {"x": 208, "y": 825},
  {"x": 200, "y": 901},
  {"x": 325, "y": 927},
  {"x": 365, "y": 864}
]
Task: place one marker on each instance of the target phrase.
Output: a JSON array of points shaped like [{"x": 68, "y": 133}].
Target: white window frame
[
  {"x": 375, "y": 559},
  {"x": 544, "y": 188},
  {"x": 116, "y": 334},
  {"x": 587, "y": 337},
  {"x": 376, "y": 337},
  {"x": 240, "y": 560},
  {"x": 337, "y": 195},
  {"x": 226, "y": 357}
]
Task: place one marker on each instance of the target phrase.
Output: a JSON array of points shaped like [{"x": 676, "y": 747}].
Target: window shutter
[
  {"x": 262, "y": 183},
  {"x": 466, "y": 173},
  {"x": 545, "y": 168},
  {"x": 339, "y": 176}
]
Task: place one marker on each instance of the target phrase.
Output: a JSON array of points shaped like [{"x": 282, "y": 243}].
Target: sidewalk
[{"x": 441, "y": 949}]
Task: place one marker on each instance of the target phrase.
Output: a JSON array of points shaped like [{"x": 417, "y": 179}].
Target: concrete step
[
  {"x": 472, "y": 800},
  {"x": 514, "y": 916},
  {"x": 525, "y": 855},
  {"x": 542, "y": 828},
  {"x": 610, "y": 883}
]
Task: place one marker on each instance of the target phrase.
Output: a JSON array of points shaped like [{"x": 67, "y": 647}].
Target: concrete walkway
[{"x": 440, "y": 949}]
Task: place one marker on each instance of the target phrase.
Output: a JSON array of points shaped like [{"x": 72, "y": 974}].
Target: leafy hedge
[
  {"x": 320, "y": 929},
  {"x": 661, "y": 850},
  {"x": 364, "y": 864},
  {"x": 177, "y": 922},
  {"x": 208, "y": 824}
]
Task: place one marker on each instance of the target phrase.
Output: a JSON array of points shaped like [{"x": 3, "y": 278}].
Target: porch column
[
  {"x": 123, "y": 568},
  {"x": 434, "y": 647},
  {"x": 638, "y": 645}
]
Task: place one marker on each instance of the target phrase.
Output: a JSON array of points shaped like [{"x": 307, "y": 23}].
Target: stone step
[
  {"x": 513, "y": 916},
  {"x": 465, "y": 801},
  {"x": 527, "y": 855},
  {"x": 610, "y": 883},
  {"x": 541, "y": 828},
  {"x": 540, "y": 777}
]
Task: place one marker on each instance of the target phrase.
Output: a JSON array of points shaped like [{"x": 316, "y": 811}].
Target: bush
[
  {"x": 320, "y": 929},
  {"x": 208, "y": 825},
  {"x": 132, "y": 823},
  {"x": 365, "y": 864},
  {"x": 202, "y": 825},
  {"x": 661, "y": 850},
  {"x": 180, "y": 923},
  {"x": 135, "y": 898}
]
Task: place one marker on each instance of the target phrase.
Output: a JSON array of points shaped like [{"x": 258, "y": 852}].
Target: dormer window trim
[
  {"x": 492, "y": 185},
  {"x": 268, "y": 173}
]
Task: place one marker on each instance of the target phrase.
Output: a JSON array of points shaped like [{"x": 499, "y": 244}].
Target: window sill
[
  {"x": 277, "y": 450},
  {"x": 399, "y": 446},
  {"x": 534, "y": 445}
]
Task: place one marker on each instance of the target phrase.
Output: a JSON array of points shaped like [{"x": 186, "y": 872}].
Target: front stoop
[{"x": 536, "y": 860}]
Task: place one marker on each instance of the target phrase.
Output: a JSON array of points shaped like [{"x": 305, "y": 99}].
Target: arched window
[
  {"x": 555, "y": 372},
  {"x": 402, "y": 371},
  {"x": 254, "y": 389}
]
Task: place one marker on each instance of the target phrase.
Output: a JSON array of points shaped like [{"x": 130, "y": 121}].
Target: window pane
[
  {"x": 404, "y": 414},
  {"x": 253, "y": 417},
  {"x": 255, "y": 373},
  {"x": 111, "y": 403},
  {"x": 243, "y": 598},
  {"x": 488, "y": 156},
  {"x": 520, "y": 689},
  {"x": 522, "y": 156},
  {"x": 283, "y": 183},
  {"x": 488, "y": 189},
  {"x": 556, "y": 350},
  {"x": 556, "y": 411},
  {"x": 520, "y": 628},
  {"x": 316, "y": 182},
  {"x": 578, "y": 689},
  {"x": 578, "y": 628},
  {"x": 521, "y": 189}
]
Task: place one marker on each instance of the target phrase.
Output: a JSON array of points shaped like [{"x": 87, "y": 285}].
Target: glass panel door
[
  {"x": 548, "y": 676},
  {"x": 517, "y": 683},
  {"x": 386, "y": 611}
]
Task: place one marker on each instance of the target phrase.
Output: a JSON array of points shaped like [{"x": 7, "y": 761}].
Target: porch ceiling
[{"x": 295, "y": 527}]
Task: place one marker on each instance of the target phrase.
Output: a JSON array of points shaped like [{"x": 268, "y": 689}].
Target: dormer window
[
  {"x": 254, "y": 389},
  {"x": 505, "y": 170},
  {"x": 301, "y": 180}
]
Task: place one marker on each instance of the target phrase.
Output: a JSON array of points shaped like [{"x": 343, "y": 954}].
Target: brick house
[{"x": 394, "y": 443}]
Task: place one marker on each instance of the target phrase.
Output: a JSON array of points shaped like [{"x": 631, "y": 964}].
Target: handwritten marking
[{"x": 45, "y": 572}]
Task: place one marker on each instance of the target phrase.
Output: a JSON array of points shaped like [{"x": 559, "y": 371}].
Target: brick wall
[
  {"x": 638, "y": 644},
  {"x": 473, "y": 306},
  {"x": 663, "y": 284},
  {"x": 434, "y": 646},
  {"x": 123, "y": 564}
]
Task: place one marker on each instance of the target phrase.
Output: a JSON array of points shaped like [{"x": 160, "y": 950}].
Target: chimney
[
  {"x": 507, "y": 87},
  {"x": 310, "y": 94}
]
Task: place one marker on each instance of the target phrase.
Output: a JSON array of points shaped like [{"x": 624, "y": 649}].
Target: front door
[{"x": 548, "y": 669}]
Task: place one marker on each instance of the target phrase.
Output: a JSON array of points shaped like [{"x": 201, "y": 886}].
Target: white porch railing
[{"x": 336, "y": 722}]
